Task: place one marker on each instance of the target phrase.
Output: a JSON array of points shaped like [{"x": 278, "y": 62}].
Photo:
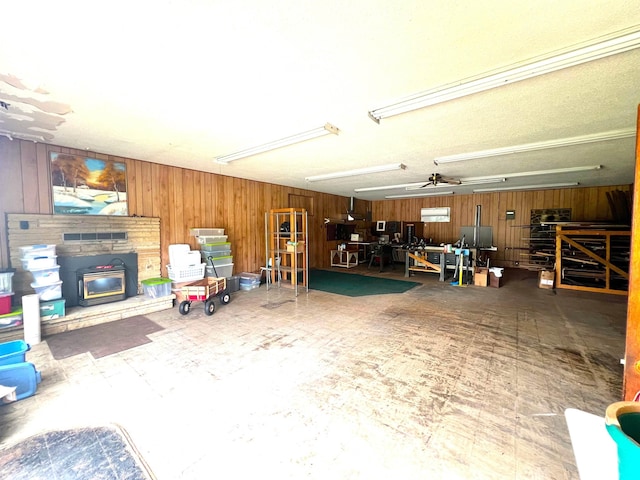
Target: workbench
[{"x": 418, "y": 260}]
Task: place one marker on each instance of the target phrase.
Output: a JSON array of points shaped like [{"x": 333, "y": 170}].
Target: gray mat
[{"x": 104, "y": 339}]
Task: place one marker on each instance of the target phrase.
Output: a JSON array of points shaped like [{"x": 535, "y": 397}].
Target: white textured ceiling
[{"x": 181, "y": 82}]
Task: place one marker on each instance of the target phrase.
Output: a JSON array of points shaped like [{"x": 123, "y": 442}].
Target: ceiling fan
[{"x": 436, "y": 178}]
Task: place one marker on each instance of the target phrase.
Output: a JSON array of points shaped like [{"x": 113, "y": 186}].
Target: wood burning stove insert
[{"x": 97, "y": 279}]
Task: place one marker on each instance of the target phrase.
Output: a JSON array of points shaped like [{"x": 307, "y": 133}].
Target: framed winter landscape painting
[{"x": 88, "y": 186}]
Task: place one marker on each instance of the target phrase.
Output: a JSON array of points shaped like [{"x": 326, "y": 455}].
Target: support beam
[{"x": 631, "y": 383}]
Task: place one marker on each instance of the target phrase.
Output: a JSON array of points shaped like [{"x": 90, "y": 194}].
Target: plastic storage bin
[
  {"x": 6, "y": 285},
  {"x": 52, "y": 309},
  {"x": 32, "y": 251},
  {"x": 156, "y": 287},
  {"x": 206, "y": 232},
  {"x": 52, "y": 291},
  {"x": 39, "y": 262},
  {"x": 5, "y": 302},
  {"x": 13, "y": 352},
  {"x": 249, "y": 281},
  {"x": 233, "y": 283},
  {"x": 12, "y": 319},
  {"x": 177, "y": 252},
  {"x": 46, "y": 276},
  {"x": 23, "y": 375},
  {"x": 219, "y": 261},
  {"x": 220, "y": 271},
  {"x": 212, "y": 239},
  {"x": 220, "y": 253},
  {"x": 215, "y": 247}
]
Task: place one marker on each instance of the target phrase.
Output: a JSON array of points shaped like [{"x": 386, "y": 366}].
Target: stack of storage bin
[
  {"x": 15, "y": 371},
  {"x": 9, "y": 317},
  {"x": 215, "y": 251},
  {"x": 249, "y": 281},
  {"x": 41, "y": 261}
]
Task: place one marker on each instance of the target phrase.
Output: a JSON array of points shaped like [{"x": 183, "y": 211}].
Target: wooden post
[{"x": 631, "y": 384}]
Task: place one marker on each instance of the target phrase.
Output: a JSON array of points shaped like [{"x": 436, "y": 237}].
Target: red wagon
[{"x": 204, "y": 290}]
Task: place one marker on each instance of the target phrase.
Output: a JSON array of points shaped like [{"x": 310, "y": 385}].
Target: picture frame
[
  {"x": 88, "y": 186},
  {"x": 381, "y": 226}
]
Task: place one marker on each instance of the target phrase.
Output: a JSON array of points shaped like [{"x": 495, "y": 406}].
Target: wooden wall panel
[
  {"x": 184, "y": 199},
  {"x": 181, "y": 199}
]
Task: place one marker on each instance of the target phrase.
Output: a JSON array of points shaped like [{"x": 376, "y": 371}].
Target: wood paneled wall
[
  {"x": 586, "y": 204},
  {"x": 183, "y": 199},
  {"x": 180, "y": 198}
]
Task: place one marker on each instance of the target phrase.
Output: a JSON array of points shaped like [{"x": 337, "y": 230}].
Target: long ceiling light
[
  {"x": 529, "y": 147},
  {"x": 528, "y": 187},
  {"x": 357, "y": 171},
  {"x": 430, "y": 194},
  {"x": 552, "y": 171},
  {"x": 388, "y": 187},
  {"x": 595, "y": 49},
  {"x": 326, "y": 129}
]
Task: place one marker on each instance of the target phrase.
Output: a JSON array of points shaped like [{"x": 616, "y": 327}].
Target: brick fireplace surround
[{"x": 101, "y": 235}]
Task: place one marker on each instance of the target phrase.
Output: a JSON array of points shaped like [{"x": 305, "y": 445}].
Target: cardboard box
[
  {"x": 481, "y": 276},
  {"x": 298, "y": 247},
  {"x": 546, "y": 278}
]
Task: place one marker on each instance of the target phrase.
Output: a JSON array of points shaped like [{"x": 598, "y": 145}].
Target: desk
[
  {"x": 364, "y": 248},
  {"x": 344, "y": 258}
]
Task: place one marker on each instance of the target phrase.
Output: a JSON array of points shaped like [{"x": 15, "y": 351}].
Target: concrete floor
[{"x": 440, "y": 382}]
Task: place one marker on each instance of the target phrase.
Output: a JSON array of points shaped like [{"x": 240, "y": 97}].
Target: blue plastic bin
[
  {"x": 23, "y": 375},
  {"x": 13, "y": 352}
]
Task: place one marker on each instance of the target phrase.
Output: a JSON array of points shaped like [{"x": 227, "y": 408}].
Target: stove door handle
[{"x": 80, "y": 289}]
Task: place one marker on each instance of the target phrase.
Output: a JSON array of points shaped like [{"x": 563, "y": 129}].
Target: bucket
[{"x": 622, "y": 420}]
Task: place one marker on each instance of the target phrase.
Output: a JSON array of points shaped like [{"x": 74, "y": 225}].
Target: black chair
[{"x": 381, "y": 253}]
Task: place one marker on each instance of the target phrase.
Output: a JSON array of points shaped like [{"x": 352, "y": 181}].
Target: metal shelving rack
[{"x": 291, "y": 248}]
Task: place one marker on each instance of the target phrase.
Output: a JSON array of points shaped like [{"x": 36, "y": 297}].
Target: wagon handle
[{"x": 214, "y": 267}]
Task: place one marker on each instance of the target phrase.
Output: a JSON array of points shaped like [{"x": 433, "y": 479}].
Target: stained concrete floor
[{"x": 440, "y": 382}]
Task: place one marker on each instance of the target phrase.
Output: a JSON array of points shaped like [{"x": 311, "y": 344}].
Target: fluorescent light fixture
[
  {"x": 430, "y": 194},
  {"x": 595, "y": 49},
  {"x": 528, "y": 187},
  {"x": 283, "y": 142},
  {"x": 530, "y": 147},
  {"x": 552, "y": 171},
  {"x": 388, "y": 187},
  {"x": 358, "y": 171}
]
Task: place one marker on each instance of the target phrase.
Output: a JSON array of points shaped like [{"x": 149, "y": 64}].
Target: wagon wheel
[
  {"x": 225, "y": 297},
  {"x": 184, "y": 307},
  {"x": 209, "y": 307}
]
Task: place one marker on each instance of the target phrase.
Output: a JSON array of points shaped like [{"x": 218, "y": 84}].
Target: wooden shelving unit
[
  {"x": 287, "y": 247},
  {"x": 593, "y": 259}
]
